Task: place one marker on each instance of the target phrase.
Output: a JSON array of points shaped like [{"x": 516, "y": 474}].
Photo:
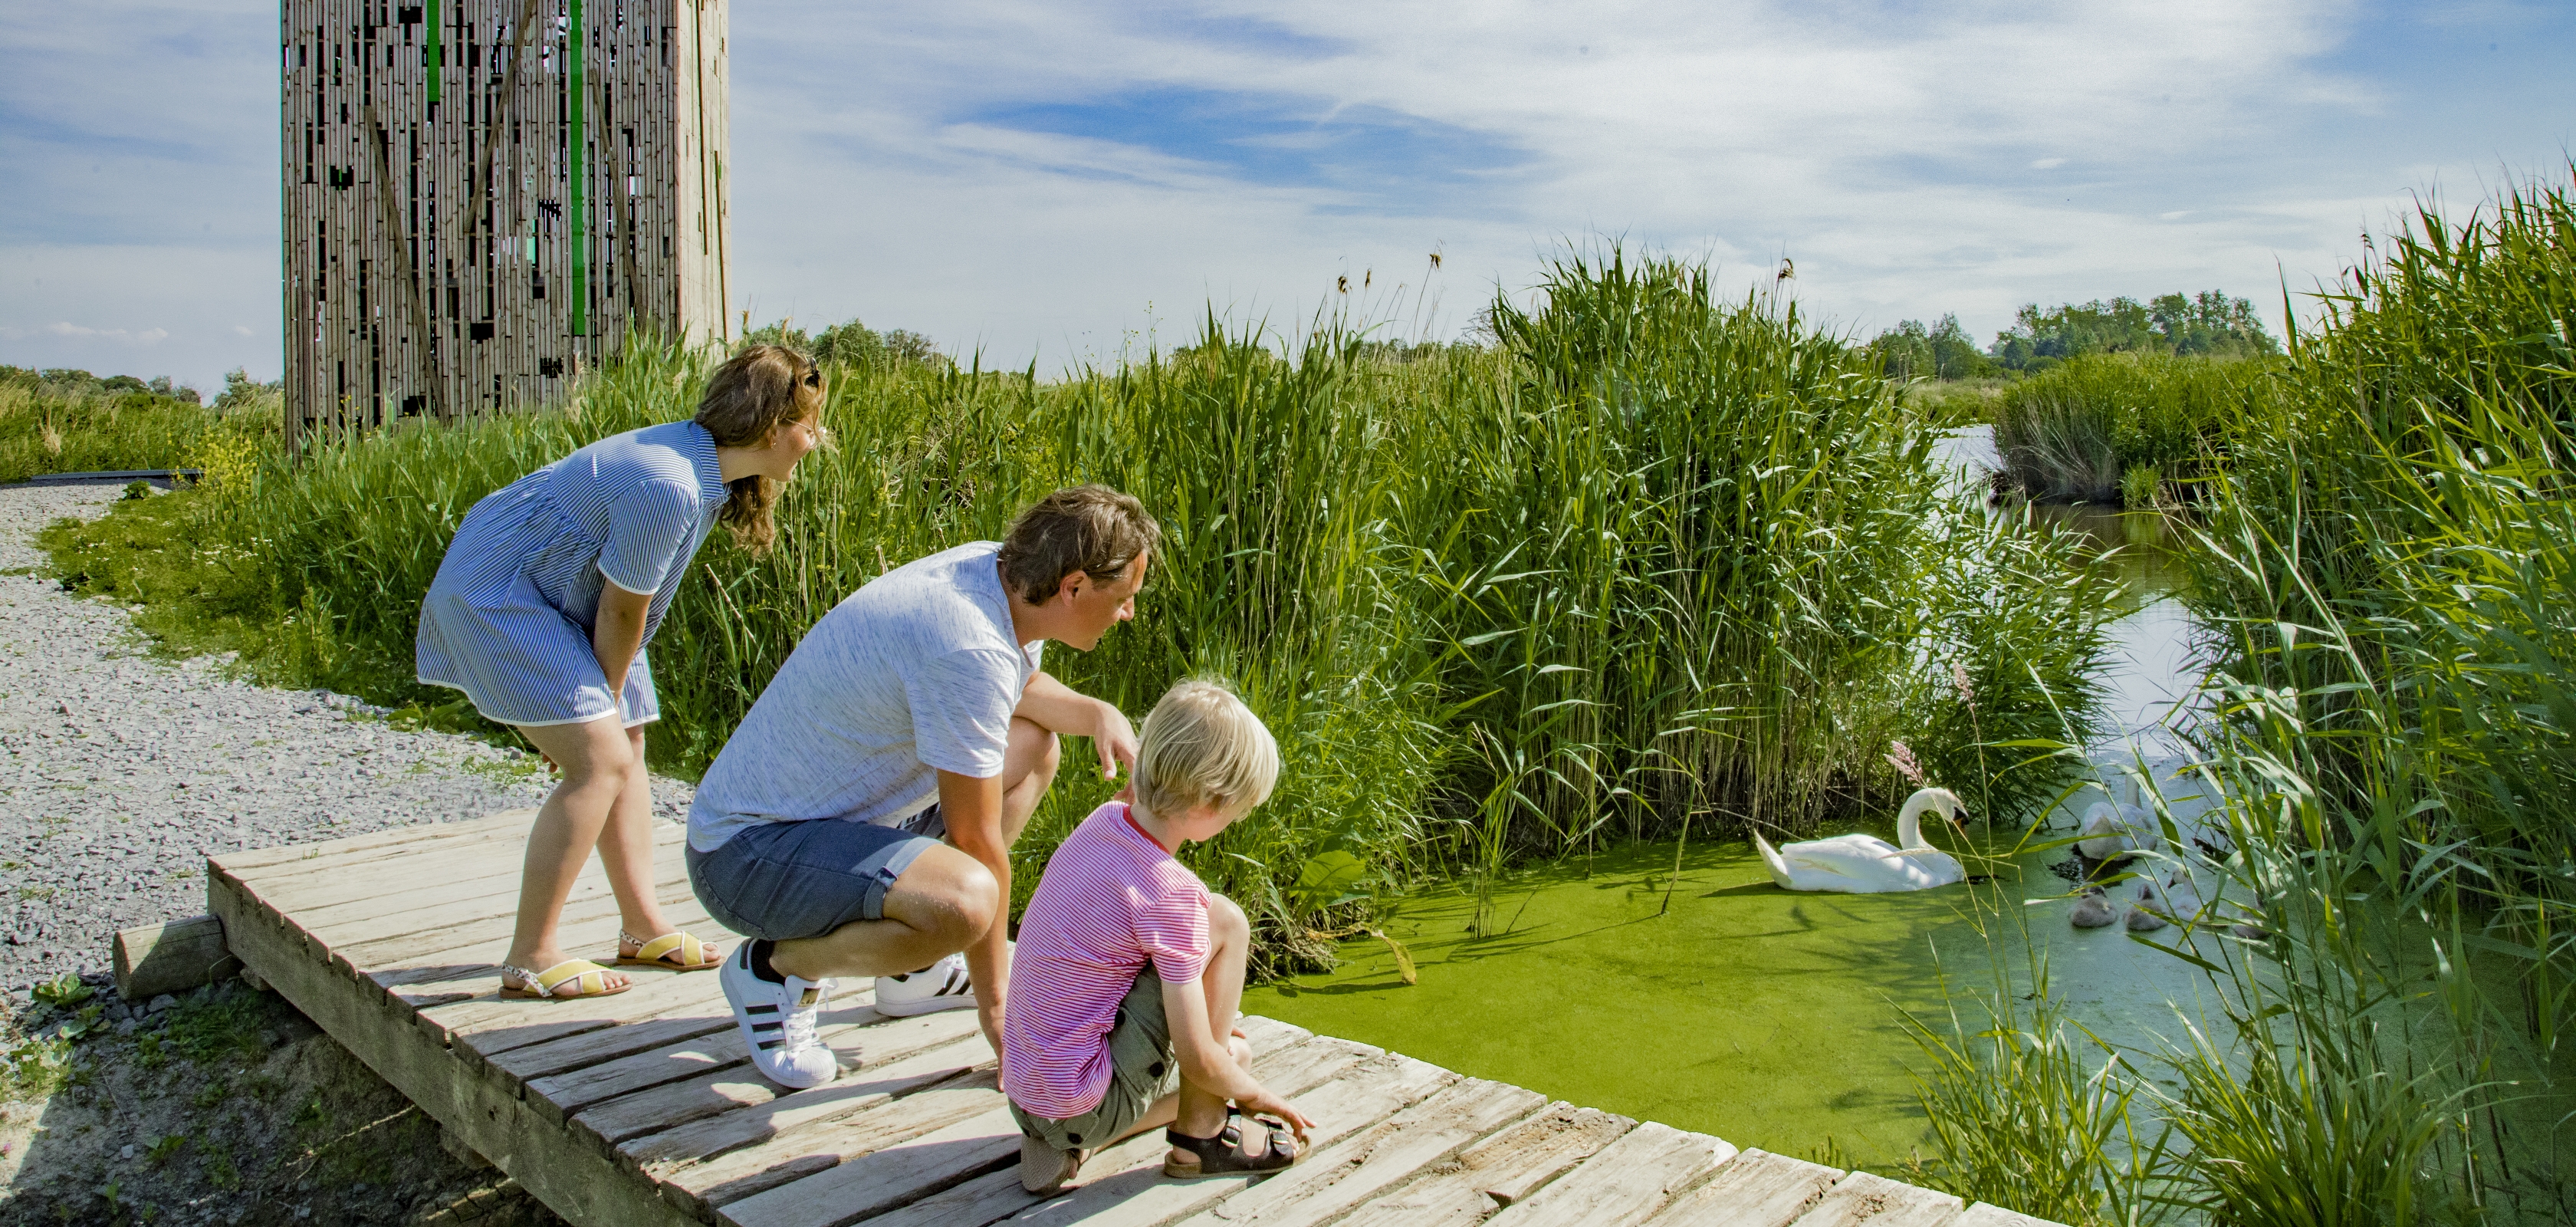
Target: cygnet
[
  {"x": 2093, "y": 910},
  {"x": 2142, "y": 914}
]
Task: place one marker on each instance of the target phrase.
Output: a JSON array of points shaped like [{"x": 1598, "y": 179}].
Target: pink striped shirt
[{"x": 1109, "y": 901}]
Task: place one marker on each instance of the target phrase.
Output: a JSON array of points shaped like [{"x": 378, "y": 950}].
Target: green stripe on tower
[
  {"x": 434, "y": 56},
  {"x": 580, "y": 180}
]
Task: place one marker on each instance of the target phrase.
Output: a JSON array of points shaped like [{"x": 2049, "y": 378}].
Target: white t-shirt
[{"x": 915, "y": 673}]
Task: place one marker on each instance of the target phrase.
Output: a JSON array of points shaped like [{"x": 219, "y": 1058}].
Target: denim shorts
[
  {"x": 781, "y": 881},
  {"x": 1141, "y": 1071}
]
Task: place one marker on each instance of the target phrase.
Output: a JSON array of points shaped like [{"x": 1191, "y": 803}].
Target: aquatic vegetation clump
[{"x": 2080, "y": 432}]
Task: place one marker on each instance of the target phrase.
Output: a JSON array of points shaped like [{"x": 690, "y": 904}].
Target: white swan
[
  {"x": 1866, "y": 864},
  {"x": 2112, "y": 831}
]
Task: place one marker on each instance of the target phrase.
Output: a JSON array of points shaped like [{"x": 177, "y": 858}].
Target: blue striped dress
[{"x": 508, "y": 619}]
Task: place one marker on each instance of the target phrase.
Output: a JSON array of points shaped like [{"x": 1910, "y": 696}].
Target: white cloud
[
  {"x": 69, "y": 330},
  {"x": 1886, "y": 152},
  {"x": 957, "y": 166}
]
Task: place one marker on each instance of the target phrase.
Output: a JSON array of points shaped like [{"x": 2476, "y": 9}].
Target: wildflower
[{"x": 1902, "y": 759}]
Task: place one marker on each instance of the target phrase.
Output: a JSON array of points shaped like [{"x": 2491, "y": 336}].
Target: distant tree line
[
  {"x": 67, "y": 382},
  {"x": 852, "y": 344},
  {"x": 2206, "y": 324}
]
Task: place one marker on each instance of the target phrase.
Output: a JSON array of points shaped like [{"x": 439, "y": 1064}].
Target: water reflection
[{"x": 2152, "y": 671}]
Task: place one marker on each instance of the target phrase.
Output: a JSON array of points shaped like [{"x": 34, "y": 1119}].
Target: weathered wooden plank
[
  {"x": 1338, "y": 1178},
  {"x": 822, "y": 1146},
  {"x": 1753, "y": 1189},
  {"x": 757, "y": 1113},
  {"x": 1509, "y": 1166},
  {"x": 368, "y": 881},
  {"x": 287, "y": 861},
  {"x": 362, "y": 937},
  {"x": 586, "y": 925},
  {"x": 858, "y": 1038},
  {"x": 571, "y": 1091},
  {"x": 367, "y": 945},
  {"x": 540, "y": 1155},
  {"x": 1352, "y": 1104},
  {"x": 1880, "y": 1202},
  {"x": 908, "y": 1171},
  {"x": 1626, "y": 1183},
  {"x": 642, "y": 1034}
]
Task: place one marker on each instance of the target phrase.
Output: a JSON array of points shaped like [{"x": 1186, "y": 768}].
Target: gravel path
[{"x": 122, "y": 771}]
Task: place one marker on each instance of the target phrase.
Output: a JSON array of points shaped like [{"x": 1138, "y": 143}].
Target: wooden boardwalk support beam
[{"x": 642, "y": 1108}]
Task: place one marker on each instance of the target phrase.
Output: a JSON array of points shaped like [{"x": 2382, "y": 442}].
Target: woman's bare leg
[
  {"x": 626, "y": 852},
  {"x": 599, "y": 762}
]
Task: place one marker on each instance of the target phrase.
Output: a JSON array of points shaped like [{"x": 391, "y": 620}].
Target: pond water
[{"x": 1715, "y": 1001}]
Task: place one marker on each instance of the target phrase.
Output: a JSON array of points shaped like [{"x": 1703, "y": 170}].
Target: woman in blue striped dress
[{"x": 553, "y": 585}]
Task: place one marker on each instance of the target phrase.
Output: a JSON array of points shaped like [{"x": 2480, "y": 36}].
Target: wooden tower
[{"x": 483, "y": 196}]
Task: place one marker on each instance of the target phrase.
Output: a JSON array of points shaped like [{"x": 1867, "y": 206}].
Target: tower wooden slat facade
[{"x": 483, "y": 196}]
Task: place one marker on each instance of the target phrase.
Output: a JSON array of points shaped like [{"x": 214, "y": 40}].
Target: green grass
[
  {"x": 46, "y": 429},
  {"x": 1654, "y": 563}
]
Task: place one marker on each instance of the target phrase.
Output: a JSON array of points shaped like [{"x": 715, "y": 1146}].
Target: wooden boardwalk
[{"x": 642, "y": 1109}]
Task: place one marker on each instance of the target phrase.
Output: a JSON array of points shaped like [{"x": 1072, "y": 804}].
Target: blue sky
[{"x": 1062, "y": 181}]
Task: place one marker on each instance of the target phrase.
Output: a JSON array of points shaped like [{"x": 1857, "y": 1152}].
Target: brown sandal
[{"x": 1223, "y": 1155}]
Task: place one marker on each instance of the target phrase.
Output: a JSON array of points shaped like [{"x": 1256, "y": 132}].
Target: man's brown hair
[{"x": 1091, "y": 529}]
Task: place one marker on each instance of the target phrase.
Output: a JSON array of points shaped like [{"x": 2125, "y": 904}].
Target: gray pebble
[{"x": 120, "y": 772}]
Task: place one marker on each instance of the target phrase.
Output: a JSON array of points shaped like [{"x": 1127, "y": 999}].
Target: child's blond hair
[{"x": 1202, "y": 744}]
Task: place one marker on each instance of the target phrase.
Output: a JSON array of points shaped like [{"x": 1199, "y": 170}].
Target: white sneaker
[
  {"x": 943, "y": 985},
  {"x": 777, "y": 1023}
]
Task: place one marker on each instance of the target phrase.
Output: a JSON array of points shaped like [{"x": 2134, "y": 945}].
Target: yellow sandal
[
  {"x": 673, "y": 951},
  {"x": 564, "y": 981}
]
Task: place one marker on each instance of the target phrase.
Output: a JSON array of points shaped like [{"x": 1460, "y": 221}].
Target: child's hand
[{"x": 1267, "y": 1104}]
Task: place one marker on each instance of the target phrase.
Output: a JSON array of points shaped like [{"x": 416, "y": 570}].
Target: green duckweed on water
[{"x": 1766, "y": 1017}]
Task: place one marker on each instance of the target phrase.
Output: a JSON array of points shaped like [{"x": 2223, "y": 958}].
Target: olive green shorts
[{"x": 1141, "y": 1072}]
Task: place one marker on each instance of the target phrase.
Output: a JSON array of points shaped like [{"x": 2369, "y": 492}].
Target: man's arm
[
  {"x": 1207, "y": 1059},
  {"x": 1060, "y": 709},
  {"x": 972, "y": 809}
]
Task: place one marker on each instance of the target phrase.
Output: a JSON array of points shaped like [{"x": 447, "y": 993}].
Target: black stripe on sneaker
[{"x": 760, "y": 1009}]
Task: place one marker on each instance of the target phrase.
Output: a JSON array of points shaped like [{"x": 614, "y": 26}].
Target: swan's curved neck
[{"x": 1909, "y": 821}]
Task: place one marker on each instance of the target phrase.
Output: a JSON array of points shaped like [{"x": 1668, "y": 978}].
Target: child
[
  {"x": 1124, "y": 990},
  {"x": 552, "y": 588}
]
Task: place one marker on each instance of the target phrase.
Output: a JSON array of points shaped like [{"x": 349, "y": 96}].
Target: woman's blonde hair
[
  {"x": 1202, "y": 744},
  {"x": 752, "y": 396}
]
